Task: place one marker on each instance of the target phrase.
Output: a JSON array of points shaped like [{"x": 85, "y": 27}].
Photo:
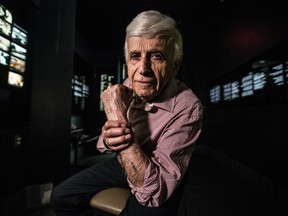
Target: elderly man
[{"x": 153, "y": 122}]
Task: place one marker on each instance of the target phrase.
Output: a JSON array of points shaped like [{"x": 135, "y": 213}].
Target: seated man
[{"x": 153, "y": 122}]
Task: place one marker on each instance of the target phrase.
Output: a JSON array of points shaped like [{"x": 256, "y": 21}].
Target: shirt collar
[{"x": 167, "y": 97}]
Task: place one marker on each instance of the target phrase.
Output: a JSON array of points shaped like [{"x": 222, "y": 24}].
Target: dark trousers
[{"x": 72, "y": 196}]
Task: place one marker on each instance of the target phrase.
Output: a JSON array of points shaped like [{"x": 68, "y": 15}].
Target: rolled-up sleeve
[{"x": 170, "y": 159}]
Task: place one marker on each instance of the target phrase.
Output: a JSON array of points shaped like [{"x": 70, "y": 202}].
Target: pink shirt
[{"x": 167, "y": 130}]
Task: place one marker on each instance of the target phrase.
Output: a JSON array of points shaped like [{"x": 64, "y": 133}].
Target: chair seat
[{"x": 111, "y": 200}]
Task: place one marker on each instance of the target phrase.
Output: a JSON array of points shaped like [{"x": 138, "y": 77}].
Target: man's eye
[
  {"x": 157, "y": 56},
  {"x": 134, "y": 57}
]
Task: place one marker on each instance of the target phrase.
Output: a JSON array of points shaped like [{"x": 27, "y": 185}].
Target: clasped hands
[{"x": 116, "y": 131}]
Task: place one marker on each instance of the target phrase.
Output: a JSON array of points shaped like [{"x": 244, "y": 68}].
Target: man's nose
[{"x": 145, "y": 66}]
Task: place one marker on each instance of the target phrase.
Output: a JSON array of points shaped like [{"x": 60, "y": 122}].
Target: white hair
[{"x": 152, "y": 23}]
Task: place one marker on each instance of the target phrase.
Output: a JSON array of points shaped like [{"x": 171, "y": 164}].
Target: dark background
[{"x": 86, "y": 38}]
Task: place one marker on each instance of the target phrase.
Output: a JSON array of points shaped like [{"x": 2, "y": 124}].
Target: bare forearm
[
  {"x": 116, "y": 100},
  {"x": 135, "y": 163}
]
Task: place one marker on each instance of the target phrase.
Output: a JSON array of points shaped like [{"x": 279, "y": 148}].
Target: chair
[{"x": 111, "y": 200}]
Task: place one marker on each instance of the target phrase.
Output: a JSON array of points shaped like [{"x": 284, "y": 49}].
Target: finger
[
  {"x": 114, "y": 124},
  {"x": 120, "y": 147},
  {"x": 125, "y": 133},
  {"x": 115, "y": 142},
  {"x": 117, "y": 139}
]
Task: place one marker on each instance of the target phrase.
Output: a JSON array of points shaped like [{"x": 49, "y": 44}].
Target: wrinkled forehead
[{"x": 143, "y": 44}]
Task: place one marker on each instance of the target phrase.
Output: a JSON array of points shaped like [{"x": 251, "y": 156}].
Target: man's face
[{"x": 150, "y": 65}]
